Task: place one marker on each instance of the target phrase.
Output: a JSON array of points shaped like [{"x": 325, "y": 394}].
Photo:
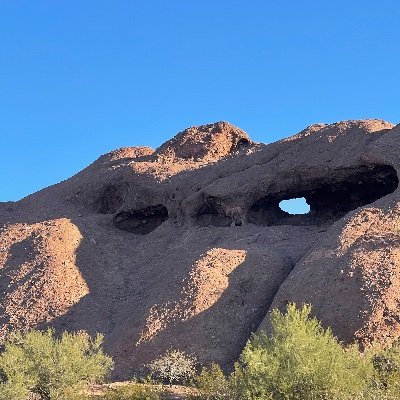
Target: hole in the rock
[
  {"x": 329, "y": 198},
  {"x": 111, "y": 199},
  {"x": 243, "y": 142},
  {"x": 211, "y": 214},
  {"x": 296, "y": 206},
  {"x": 141, "y": 221}
]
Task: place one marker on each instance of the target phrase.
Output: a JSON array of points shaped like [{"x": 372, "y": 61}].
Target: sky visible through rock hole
[
  {"x": 79, "y": 79},
  {"x": 296, "y": 205}
]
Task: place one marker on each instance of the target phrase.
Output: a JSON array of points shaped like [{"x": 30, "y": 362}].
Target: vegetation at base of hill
[
  {"x": 303, "y": 361},
  {"x": 175, "y": 366},
  {"x": 38, "y": 363},
  {"x": 213, "y": 385},
  {"x": 300, "y": 360}
]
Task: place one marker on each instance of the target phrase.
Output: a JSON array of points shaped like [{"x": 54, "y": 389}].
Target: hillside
[{"x": 185, "y": 246}]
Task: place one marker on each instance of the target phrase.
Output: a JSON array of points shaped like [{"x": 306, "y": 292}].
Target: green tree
[
  {"x": 300, "y": 360},
  {"x": 212, "y": 384},
  {"x": 38, "y": 362}
]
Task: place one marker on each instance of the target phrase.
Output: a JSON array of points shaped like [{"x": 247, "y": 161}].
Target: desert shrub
[
  {"x": 300, "y": 360},
  {"x": 131, "y": 392},
  {"x": 386, "y": 379},
  {"x": 175, "y": 366},
  {"x": 54, "y": 368},
  {"x": 212, "y": 385},
  {"x": 303, "y": 361}
]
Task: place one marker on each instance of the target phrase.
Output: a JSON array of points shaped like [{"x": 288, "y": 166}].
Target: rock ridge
[{"x": 186, "y": 246}]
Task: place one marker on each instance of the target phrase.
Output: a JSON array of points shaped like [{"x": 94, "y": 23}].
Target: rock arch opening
[
  {"x": 295, "y": 206},
  {"x": 141, "y": 221},
  {"x": 330, "y": 197}
]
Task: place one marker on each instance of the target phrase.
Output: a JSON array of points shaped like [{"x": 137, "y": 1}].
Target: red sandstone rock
[{"x": 187, "y": 246}]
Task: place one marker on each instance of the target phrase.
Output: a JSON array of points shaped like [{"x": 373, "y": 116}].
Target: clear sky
[{"x": 80, "y": 78}]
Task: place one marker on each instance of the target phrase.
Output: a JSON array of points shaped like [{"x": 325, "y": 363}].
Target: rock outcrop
[{"x": 186, "y": 246}]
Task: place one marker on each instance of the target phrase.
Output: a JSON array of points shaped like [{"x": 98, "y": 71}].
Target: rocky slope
[{"x": 186, "y": 246}]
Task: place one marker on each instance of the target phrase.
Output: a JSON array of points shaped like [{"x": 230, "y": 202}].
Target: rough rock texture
[
  {"x": 186, "y": 246},
  {"x": 206, "y": 143}
]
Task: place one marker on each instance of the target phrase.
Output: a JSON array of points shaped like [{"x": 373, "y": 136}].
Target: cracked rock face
[{"x": 187, "y": 247}]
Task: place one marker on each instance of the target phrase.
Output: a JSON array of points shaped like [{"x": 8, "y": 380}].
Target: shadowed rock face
[
  {"x": 329, "y": 197},
  {"x": 186, "y": 246},
  {"x": 142, "y": 221}
]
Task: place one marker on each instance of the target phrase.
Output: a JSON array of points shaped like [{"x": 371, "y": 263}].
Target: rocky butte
[{"x": 186, "y": 246}]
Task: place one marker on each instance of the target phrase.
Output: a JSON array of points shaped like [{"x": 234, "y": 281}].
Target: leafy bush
[
  {"x": 303, "y": 361},
  {"x": 175, "y": 366},
  {"x": 40, "y": 363},
  {"x": 299, "y": 361},
  {"x": 131, "y": 392},
  {"x": 212, "y": 385}
]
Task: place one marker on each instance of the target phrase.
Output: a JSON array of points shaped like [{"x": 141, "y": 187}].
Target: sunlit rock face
[{"x": 186, "y": 246}]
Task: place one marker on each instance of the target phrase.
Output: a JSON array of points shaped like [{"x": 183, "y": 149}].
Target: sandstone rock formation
[{"x": 186, "y": 246}]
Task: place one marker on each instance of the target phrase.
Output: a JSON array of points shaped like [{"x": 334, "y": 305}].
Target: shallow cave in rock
[
  {"x": 111, "y": 199},
  {"x": 141, "y": 221},
  {"x": 242, "y": 143},
  {"x": 212, "y": 214},
  {"x": 329, "y": 198}
]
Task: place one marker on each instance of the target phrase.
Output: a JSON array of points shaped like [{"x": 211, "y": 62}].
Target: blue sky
[{"x": 80, "y": 78}]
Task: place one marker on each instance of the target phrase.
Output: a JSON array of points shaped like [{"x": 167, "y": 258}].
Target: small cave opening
[
  {"x": 242, "y": 144},
  {"x": 212, "y": 214},
  {"x": 141, "y": 221},
  {"x": 111, "y": 199},
  {"x": 329, "y": 198}
]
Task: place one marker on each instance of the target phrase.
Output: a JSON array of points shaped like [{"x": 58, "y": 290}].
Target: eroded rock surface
[
  {"x": 206, "y": 143},
  {"x": 186, "y": 246}
]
